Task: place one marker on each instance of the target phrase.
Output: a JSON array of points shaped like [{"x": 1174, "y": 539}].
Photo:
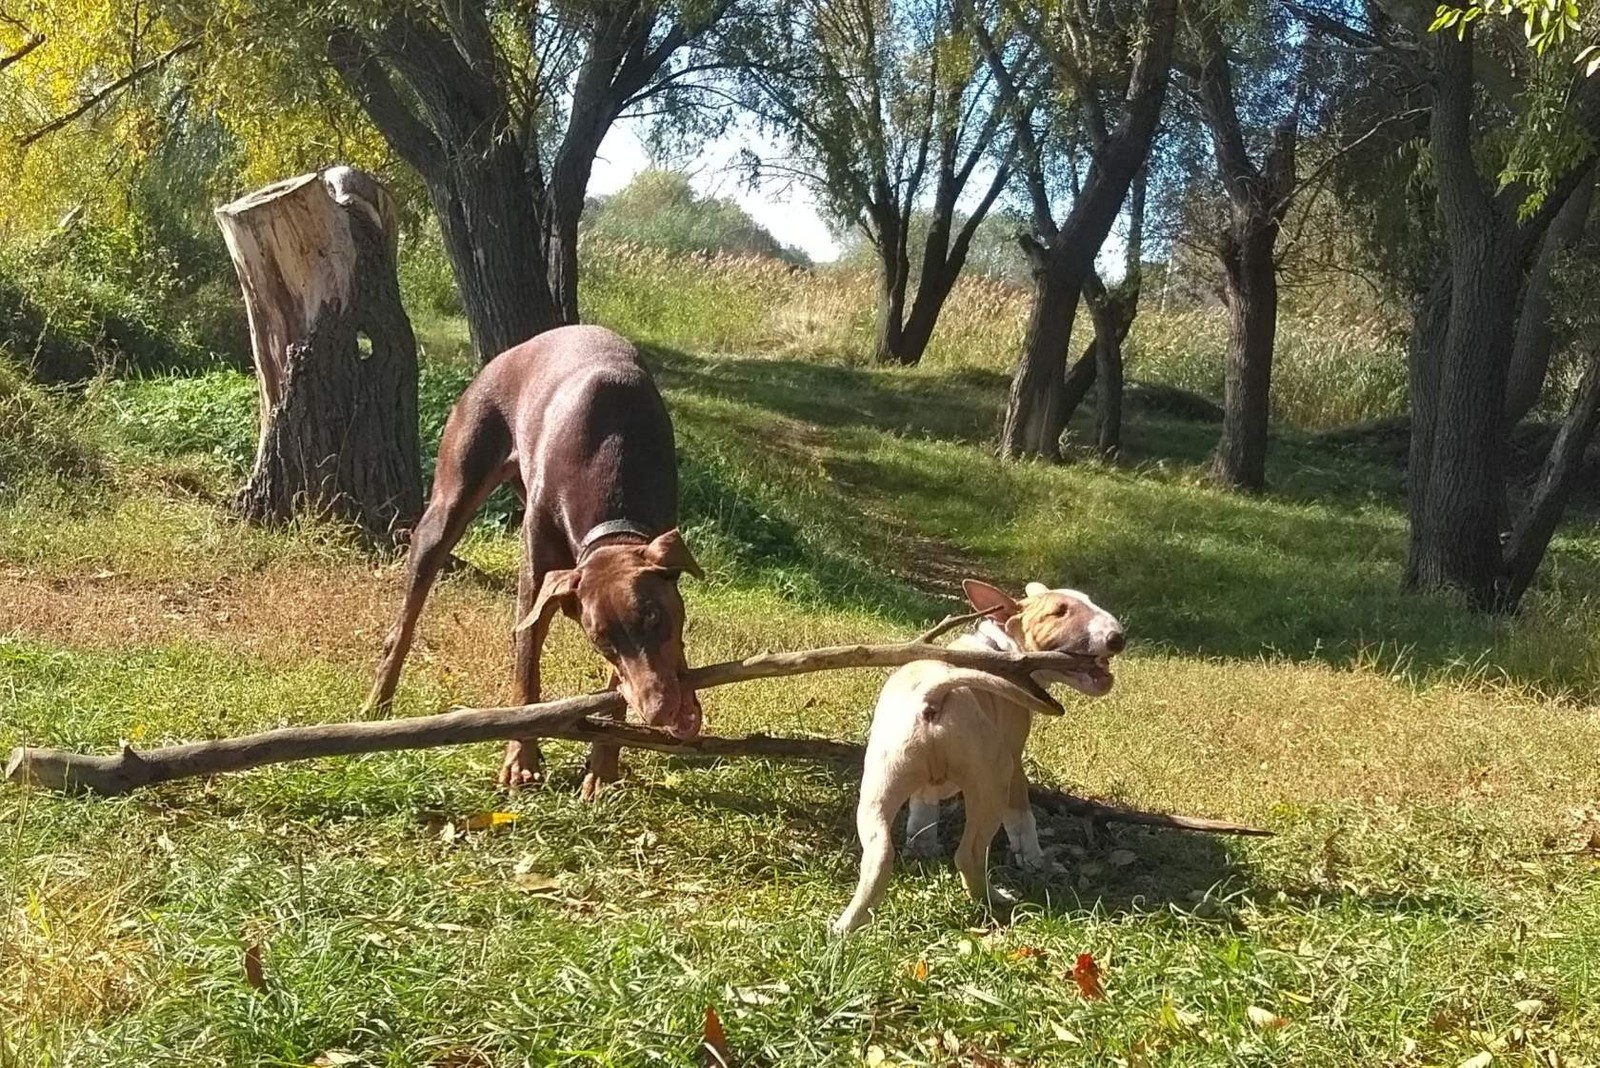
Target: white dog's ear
[
  {"x": 983, "y": 597},
  {"x": 1036, "y": 589}
]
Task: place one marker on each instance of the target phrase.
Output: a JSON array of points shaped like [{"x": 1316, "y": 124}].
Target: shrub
[
  {"x": 42, "y": 434},
  {"x": 88, "y": 299},
  {"x": 659, "y": 209}
]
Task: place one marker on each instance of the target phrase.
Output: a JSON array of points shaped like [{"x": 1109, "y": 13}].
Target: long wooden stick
[
  {"x": 569, "y": 720},
  {"x": 129, "y": 769}
]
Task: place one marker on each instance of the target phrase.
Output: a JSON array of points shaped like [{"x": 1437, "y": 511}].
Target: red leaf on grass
[
  {"x": 716, "y": 1042},
  {"x": 252, "y": 967},
  {"x": 1086, "y": 973}
]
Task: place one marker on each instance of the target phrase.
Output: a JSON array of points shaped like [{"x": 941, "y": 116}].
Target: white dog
[{"x": 940, "y": 730}]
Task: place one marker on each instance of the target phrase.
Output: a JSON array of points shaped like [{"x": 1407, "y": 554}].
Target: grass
[{"x": 1431, "y": 894}]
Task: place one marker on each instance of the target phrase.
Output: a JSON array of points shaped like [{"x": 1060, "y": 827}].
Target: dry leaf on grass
[
  {"x": 1086, "y": 973},
  {"x": 252, "y": 967},
  {"x": 919, "y": 971},
  {"x": 531, "y": 882},
  {"x": 335, "y": 1058},
  {"x": 1266, "y": 1019},
  {"x": 1481, "y": 1060},
  {"x": 715, "y": 1042}
]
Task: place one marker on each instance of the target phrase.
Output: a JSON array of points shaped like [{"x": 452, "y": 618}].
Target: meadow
[{"x": 1430, "y": 897}]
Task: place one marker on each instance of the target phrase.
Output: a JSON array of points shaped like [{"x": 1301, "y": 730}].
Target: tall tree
[
  {"x": 1109, "y": 64},
  {"x": 1494, "y": 199},
  {"x": 501, "y": 110},
  {"x": 891, "y": 115},
  {"x": 1259, "y": 189}
]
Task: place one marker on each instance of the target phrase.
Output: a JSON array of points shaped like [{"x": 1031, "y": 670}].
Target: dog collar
[{"x": 605, "y": 530}]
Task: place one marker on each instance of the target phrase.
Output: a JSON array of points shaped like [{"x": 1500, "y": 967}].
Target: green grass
[{"x": 1431, "y": 775}]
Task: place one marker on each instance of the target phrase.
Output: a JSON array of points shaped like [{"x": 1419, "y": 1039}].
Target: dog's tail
[{"x": 1019, "y": 689}]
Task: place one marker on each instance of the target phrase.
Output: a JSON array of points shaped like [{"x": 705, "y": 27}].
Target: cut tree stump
[
  {"x": 335, "y": 357},
  {"x": 579, "y": 719}
]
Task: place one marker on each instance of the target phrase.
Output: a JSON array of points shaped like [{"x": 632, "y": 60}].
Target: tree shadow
[{"x": 1309, "y": 571}]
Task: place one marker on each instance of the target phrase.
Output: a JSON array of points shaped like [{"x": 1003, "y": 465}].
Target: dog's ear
[
  {"x": 558, "y": 590},
  {"x": 997, "y": 604},
  {"x": 669, "y": 553}
]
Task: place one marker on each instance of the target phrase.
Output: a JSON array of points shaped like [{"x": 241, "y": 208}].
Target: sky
[{"x": 785, "y": 208}]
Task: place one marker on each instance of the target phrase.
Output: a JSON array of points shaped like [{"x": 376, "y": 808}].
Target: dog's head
[
  {"x": 1059, "y": 621},
  {"x": 626, "y": 599}
]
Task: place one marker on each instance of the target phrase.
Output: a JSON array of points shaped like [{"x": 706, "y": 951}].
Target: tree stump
[{"x": 336, "y": 361}]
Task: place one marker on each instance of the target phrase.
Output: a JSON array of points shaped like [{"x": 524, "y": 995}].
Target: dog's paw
[{"x": 842, "y": 927}]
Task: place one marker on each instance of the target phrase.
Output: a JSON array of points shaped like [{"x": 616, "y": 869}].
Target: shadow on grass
[{"x": 875, "y": 490}]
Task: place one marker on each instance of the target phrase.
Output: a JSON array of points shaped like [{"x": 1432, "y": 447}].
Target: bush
[
  {"x": 659, "y": 209},
  {"x": 42, "y": 434},
  {"x": 91, "y": 299}
]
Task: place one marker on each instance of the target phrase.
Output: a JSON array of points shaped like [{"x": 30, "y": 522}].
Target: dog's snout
[{"x": 1115, "y": 641}]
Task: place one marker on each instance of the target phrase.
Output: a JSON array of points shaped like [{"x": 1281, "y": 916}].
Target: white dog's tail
[{"x": 1023, "y": 691}]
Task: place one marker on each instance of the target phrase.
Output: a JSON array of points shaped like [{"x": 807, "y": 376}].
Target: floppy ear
[
  {"x": 999, "y": 605},
  {"x": 668, "y": 553},
  {"x": 556, "y": 591}
]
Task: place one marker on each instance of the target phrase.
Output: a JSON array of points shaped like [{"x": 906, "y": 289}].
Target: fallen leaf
[
  {"x": 252, "y": 967},
  {"x": 1086, "y": 973},
  {"x": 749, "y": 995},
  {"x": 715, "y": 1041},
  {"x": 1530, "y": 1007},
  {"x": 919, "y": 971},
  {"x": 1064, "y": 1035},
  {"x": 1028, "y": 953},
  {"x": 1482, "y": 1060},
  {"x": 335, "y": 1058},
  {"x": 874, "y": 1056},
  {"x": 484, "y": 821},
  {"x": 1265, "y": 1019},
  {"x": 531, "y": 882}
]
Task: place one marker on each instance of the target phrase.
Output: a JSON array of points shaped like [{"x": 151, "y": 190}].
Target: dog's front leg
[
  {"x": 1022, "y": 830},
  {"x": 604, "y": 764}
]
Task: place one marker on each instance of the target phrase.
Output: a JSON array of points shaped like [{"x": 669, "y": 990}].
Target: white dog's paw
[{"x": 842, "y": 927}]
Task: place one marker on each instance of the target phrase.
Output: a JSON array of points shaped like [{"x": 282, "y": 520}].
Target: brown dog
[{"x": 576, "y": 424}]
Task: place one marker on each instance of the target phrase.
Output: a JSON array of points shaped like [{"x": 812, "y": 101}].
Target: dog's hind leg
[
  {"x": 472, "y": 462},
  {"x": 984, "y": 812},
  {"x": 881, "y": 798}
]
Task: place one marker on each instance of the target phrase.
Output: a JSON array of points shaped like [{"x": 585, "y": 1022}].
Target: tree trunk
[
  {"x": 335, "y": 357},
  {"x": 1535, "y": 337},
  {"x": 1537, "y": 525},
  {"x": 1108, "y": 334},
  {"x": 1428, "y": 325},
  {"x": 1035, "y": 414},
  {"x": 1252, "y": 291},
  {"x": 1456, "y": 540},
  {"x": 894, "y": 273},
  {"x": 491, "y": 236}
]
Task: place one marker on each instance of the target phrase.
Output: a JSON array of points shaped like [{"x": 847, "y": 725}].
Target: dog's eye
[{"x": 650, "y": 618}]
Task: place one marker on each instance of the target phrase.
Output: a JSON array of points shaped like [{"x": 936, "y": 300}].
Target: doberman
[{"x": 576, "y": 424}]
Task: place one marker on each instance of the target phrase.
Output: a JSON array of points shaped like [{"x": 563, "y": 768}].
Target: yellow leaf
[
  {"x": 1529, "y": 1007},
  {"x": 533, "y": 883},
  {"x": 483, "y": 821},
  {"x": 1265, "y": 1019}
]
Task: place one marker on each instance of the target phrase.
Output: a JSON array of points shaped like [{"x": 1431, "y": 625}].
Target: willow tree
[
  {"x": 890, "y": 115},
  {"x": 1510, "y": 138},
  {"x": 500, "y": 109},
  {"x": 1109, "y": 63}
]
